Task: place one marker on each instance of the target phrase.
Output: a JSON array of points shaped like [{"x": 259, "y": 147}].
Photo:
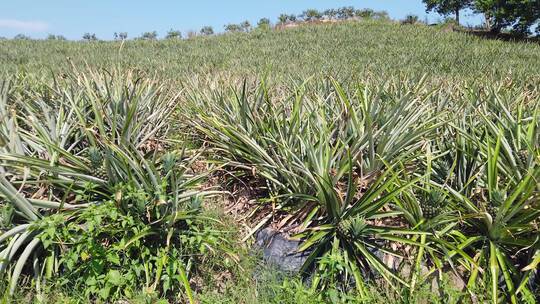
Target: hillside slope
[{"x": 340, "y": 50}]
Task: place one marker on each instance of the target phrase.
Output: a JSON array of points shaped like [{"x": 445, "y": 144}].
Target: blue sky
[{"x": 73, "y": 18}]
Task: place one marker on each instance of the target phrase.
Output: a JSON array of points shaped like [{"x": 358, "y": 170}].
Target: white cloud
[{"x": 19, "y": 25}]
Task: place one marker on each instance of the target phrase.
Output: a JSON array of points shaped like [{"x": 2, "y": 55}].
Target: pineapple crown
[
  {"x": 352, "y": 226},
  {"x": 436, "y": 198},
  {"x": 498, "y": 198},
  {"x": 169, "y": 161},
  {"x": 95, "y": 157}
]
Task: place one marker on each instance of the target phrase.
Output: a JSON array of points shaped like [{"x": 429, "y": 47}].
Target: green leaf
[{"x": 114, "y": 277}]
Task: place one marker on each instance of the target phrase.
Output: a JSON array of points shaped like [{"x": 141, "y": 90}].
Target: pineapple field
[{"x": 403, "y": 160}]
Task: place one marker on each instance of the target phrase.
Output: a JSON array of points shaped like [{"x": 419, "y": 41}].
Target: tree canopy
[
  {"x": 448, "y": 7},
  {"x": 311, "y": 15},
  {"x": 89, "y": 37},
  {"x": 232, "y": 27},
  {"x": 263, "y": 23},
  {"x": 120, "y": 36},
  {"x": 207, "y": 30},
  {"x": 520, "y": 15},
  {"x": 149, "y": 35},
  {"x": 55, "y": 37},
  {"x": 173, "y": 34}
]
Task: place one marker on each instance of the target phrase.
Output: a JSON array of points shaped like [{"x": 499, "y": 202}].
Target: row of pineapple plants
[
  {"x": 441, "y": 179},
  {"x": 93, "y": 194}
]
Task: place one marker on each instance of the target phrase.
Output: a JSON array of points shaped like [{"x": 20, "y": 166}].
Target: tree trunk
[
  {"x": 457, "y": 16},
  {"x": 491, "y": 24}
]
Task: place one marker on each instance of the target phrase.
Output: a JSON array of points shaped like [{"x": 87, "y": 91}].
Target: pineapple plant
[{"x": 97, "y": 163}]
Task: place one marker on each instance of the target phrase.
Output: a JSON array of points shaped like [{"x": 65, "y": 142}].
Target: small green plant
[{"x": 111, "y": 253}]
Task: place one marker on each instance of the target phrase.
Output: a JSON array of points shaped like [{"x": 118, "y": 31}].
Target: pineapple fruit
[
  {"x": 432, "y": 205},
  {"x": 97, "y": 163},
  {"x": 492, "y": 207},
  {"x": 169, "y": 161},
  {"x": 523, "y": 156}
]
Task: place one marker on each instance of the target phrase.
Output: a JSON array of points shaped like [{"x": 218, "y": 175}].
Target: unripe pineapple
[
  {"x": 343, "y": 227},
  {"x": 523, "y": 156},
  {"x": 169, "y": 161},
  {"x": 432, "y": 206},
  {"x": 101, "y": 173},
  {"x": 351, "y": 227},
  {"x": 492, "y": 210},
  {"x": 97, "y": 164},
  {"x": 492, "y": 207},
  {"x": 429, "y": 211},
  {"x": 6, "y": 215}
]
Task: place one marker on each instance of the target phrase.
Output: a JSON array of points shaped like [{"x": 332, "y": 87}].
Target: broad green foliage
[
  {"x": 521, "y": 15},
  {"x": 448, "y": 7}
]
